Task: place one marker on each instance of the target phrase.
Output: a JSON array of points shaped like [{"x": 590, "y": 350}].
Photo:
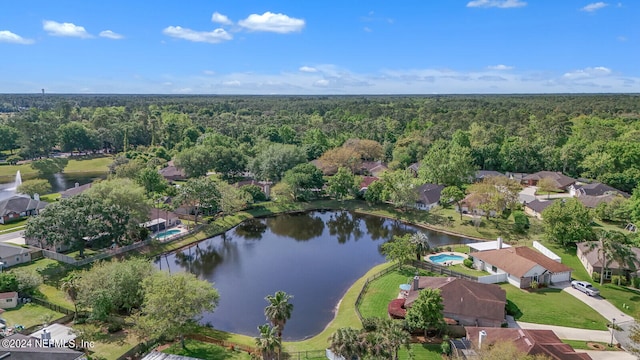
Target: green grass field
[
  {"x": 96, "y": 165},
  {"x": 4, "y": 228},
  {"x": 554, "y": 307},
  {"x": 107, "y": 346},
  {"x": 29, "y": 315},
  {"x": 582, "y": 345},
  {"x": 422, "y": 352},
  {"x": 202, "y": 350}
]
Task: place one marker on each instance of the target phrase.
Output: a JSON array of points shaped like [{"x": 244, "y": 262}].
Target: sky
[{"x": 320, "y": 47}]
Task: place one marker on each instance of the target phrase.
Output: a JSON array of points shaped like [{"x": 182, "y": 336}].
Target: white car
[{"x": 585, "y": 287}]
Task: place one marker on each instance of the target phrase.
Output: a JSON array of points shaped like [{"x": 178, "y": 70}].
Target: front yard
[{"x": 553, "y": 307}]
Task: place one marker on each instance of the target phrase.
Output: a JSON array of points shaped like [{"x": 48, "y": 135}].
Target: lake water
[
  {"x": 59, "y": 182},
  {"x": 313, "y": 256}
]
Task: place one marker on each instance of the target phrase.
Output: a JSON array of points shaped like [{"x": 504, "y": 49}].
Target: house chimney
[
  {"x": 46, "y": 337},
  {"x": 416, "y": 281},
  {"x": 499, "y": 243},
  {"x": 482, "y": 335},
  {"x": 77, "y": 184},
  {"x": 267, "y": 190}
]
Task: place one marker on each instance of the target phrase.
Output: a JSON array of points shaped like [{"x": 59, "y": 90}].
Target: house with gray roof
[
  {"x": 428, "y": 196},
  {"x": 18, "y": 207},
  {"x": 11, "y": 255},
  {"x": 77, "y": 189},
  {"x": 484, "y": 174},
  {"x": 595, "y": 189},
  {"x": 560, "y": 181},
  {"x": 33, "y": 351},
  {"x": 536, "y": 207}
]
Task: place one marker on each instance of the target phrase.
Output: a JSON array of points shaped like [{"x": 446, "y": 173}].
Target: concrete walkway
[
  {"x": 602, "y": 306},
  {"x": 609, "y": 355}
]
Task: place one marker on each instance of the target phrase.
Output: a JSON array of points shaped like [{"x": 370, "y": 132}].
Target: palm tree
[
  {"x": 396, "y": 336},
  {"x": 69, "y": 285},
  {"x": 279, "y": 310},
  {"x": 421, "y": 242},
  {"x": 346, "y": 342},
  {"x": 268, "y": 342},
  {"x": 611, "y": 245}
]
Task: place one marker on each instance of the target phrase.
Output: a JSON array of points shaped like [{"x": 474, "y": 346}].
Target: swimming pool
[
  {"x": 166, "y": 234},
  {"x": 440, "y": 258}
]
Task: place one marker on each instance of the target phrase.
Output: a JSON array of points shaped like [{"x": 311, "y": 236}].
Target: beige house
[
  {"x": 8, "y": 300},
  {"x": 11, "y": 255},
  {"x": 522, "y": 265},
  {"x": 588, "y": 253}
]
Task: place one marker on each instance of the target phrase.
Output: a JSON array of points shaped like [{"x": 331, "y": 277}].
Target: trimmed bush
[
  {"x": 468, "y": 263},
  {"x": 619, "y": 279},
  {"x": 636, "y": 282},
  {"x": 595, "y": 277}
]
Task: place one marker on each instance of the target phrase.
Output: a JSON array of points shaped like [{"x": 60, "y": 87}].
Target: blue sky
[{"x": 320, "y": 47}]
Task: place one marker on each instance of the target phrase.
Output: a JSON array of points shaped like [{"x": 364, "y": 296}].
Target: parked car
[{"x": 585, "y": 287}]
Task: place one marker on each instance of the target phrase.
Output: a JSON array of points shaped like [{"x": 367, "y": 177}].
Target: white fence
[
  {"x": 492, "y": 279},
  {"x": 548, "y": 253}
]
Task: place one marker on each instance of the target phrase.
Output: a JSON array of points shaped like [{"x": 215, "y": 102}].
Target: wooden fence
[
  {"x": 365, "y": 287},
  {"x": 442, "y": 270}
]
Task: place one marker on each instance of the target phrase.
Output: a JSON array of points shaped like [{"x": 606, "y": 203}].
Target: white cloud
[
  {"x": 594, "y": 6},
  {"x": 209, "y": 72},
  {"x": 220, "y": 19},
  {"x": 321, "y": 83},
  {"x": 590, "y": 72},
  {"x": 233, "y": 83},
  {"x": 65, "y": 29},
  {"x": 110, "y": 35},
  {"x": 367, "y": 29},
  {"x": 502, "y": 4},
  {"x": 499, "y": 67},
  {"x": 308, "y": 69},
  {"x": 9, "y": 37},
  {"x": 270, "y": 22},
  {"x": 212, "y": 37}
]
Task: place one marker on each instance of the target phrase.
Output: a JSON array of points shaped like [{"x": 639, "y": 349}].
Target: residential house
[
  {"x": 595, "y": 189},
  {"x": 428, "y": 196},
  {"x": 11, "y": 255},
  {"x": 18, "y": 207},
  {"x": 77, "y": 189},
  {"x": 8, "y": 300},
  {"x": 468, "y": 206},
  {"x": 265, "y": 186},
  {"x": 171, "y": 172},
  {"x": 487, "y": 245},
  {"x": 373, "y": 168},
  {"x": 536, "y": 207},
  {"x": 560, "y": 181},
  {"x": 529, "y": 342},
  {"x": 414, "y": 168},
  {"x": 157, "y": 355},
  {"x": 516, "y": 176},
  {"x": 592, "y": 202},
  {"x": 484, "y": 174},
  {"x": 521, "y": 266},
  {"x": 466, "y": 302},
  {"x": 366, "y": 181},
  {"x": 589, "y": 254},
  {"x": 33, "y": 351},
  {"x": 160, "y": 219},
  {"x": 57, "y": 333}
]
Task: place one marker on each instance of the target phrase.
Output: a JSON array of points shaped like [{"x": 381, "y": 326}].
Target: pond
[
  {"x": 314, "y": 256},
  {"x": 59, "y": 182}
]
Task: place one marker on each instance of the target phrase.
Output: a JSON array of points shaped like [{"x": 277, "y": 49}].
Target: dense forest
[{"x": 592, "y": 136}]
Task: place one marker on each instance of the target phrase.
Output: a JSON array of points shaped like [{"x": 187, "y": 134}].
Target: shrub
[
  {"x": 449, "y": 248},
  {"x": 468, "y": 263},
  {"x": 595, "y": 276},
  {"x": 534, "y": 284},
  {"x": 370, "y": 324},
  {"x": 445, "y": 347},
  {"x": 619, "y": 280},
  {"x": 513, "y": 310},
  {"x": 636, "y": 282},
  {"x": 521, "y": 221},
  {"x": 114, "y": 327}
]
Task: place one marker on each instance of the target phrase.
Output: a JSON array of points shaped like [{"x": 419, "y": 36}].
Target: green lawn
[
  {"x": 29, "y": 315},
  {"x": 8, "y": 172},
  {"x": 554, "y": 307},
  {"x": 202, "y": 350},
  {"x": 94, "y": 165},
  {"x": 106, "y": 346},
  {"x": 51, "y": 270},
  {"x": 465, "y": 270},
  {"x": 382, "y": 290},
  {"x": 616, "y": 295},
  {"x": 582, "y": 345},
  {"x": 422, "y": 352},
  {"x": 4, "y": 228},
  {"x": 54, "y": 295}
]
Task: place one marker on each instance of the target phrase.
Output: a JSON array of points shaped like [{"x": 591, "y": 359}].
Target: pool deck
[
  {"x": 449, "y": 262},
  {"x": 181, "y": 228}
]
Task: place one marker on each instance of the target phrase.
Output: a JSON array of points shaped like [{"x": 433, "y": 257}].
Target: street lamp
[{"x": 613, "y": 326}]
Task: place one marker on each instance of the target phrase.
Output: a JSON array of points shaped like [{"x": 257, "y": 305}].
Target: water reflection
[
  {"x": 299, "y": 226},
  {"x": 296, "y": 253}
]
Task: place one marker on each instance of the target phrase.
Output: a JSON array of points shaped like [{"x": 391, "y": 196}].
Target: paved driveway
[{"x": 609, "y": 355}]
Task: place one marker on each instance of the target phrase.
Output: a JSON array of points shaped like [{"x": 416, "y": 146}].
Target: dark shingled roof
[
  {"x": 592, "y": 202},
  {"x": 38, "y": 353},
  {"x": 7, "y": 250},
  {"x": 464, "y": 297},
  {"x": 18, "y": 204},
  {"x": 591, "y": 254},
  {"x": 482, "y": 174},
  {"x": 531, "y": 342},
  {"x": 75, "y": 190},
  {"x": 539, "y": 205},
  {"x": 560, "y": 180},
  {"x": 429, "y": 193},
  {"x": 597, "y": 189}
]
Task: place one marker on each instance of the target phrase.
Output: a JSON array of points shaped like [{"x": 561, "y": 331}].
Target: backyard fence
[
  {"x": 442, "y": 270},
  {"x": 365, "y": 287},
  {"x": 51, "y": 306},
  {"x": 305, "y": 355}
]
